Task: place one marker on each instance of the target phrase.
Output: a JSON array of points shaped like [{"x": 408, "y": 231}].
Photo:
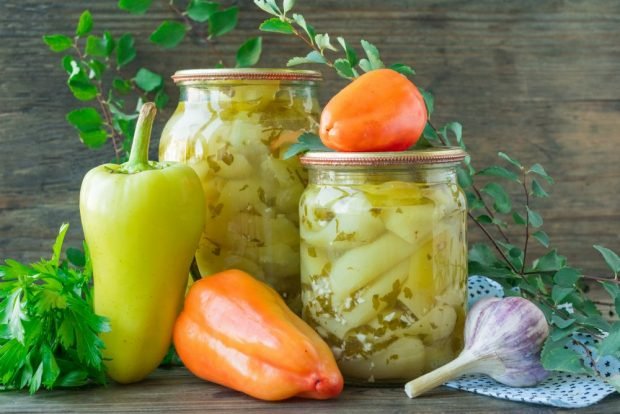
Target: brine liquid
[{"x": 383, "y": 270}]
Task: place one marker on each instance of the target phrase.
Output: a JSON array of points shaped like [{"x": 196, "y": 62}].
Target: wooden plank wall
[{"x": 538, "y": 79}]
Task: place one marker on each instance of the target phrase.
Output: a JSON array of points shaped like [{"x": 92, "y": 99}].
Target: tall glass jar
[
  {"x": 383, "y": 260},
  {"x": 232, "y": 126}
]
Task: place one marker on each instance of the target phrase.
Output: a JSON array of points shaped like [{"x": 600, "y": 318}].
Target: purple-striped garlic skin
[{"x": 507, "y": 335}]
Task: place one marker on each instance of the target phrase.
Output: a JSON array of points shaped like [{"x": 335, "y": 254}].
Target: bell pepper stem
[{"x": 139, "y": 155}]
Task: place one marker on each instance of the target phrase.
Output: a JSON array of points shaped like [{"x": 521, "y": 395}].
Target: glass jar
[
  {"x": 384, "y": 260},
  {"x": 232, "y": 126}
]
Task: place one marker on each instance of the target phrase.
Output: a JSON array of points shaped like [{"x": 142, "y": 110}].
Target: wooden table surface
[{"x": 176, "y": 390}]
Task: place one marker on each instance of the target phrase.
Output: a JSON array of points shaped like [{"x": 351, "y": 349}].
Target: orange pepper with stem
[
  {"x": 381, "y": 110},
  {"x": 236, "y": 331}
]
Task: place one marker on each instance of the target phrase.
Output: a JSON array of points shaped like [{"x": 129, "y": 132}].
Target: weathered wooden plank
[{"x": 177, "y": 390}]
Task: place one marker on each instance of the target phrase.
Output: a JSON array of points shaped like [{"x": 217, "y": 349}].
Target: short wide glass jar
[
  {"x": 384, "y": 260},
  {"x": 232, "y": 126}
]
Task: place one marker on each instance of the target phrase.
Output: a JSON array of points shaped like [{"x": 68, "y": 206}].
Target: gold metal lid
[
  {"x": 439, "y": 155},
  {"x": 201, "y": 75}
]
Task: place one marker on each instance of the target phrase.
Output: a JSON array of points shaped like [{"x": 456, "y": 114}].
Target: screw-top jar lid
[
  {"x": 440, "y": 155},
  {"x": 201, "y": 75}
]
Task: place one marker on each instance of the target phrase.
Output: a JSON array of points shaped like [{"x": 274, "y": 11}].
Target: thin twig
[
  {"x": 492, "y": 240},
  {"x": 527, "y": 221},
  {"x": 105, "y": 109}
]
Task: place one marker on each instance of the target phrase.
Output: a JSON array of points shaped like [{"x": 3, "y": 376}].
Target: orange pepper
[
  {"x": 381, "y": 110},
  {"x": 238, "y": 332}
]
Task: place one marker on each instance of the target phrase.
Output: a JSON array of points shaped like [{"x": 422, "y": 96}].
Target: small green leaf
[
  {"x": 312, "y": 57},
  {"x": 558, "y": 334},
  {"x": 323, "y": 42},
  {"x": 94, "y": 139},
  {"x": 96, "y": 69},
  {"x": 538, "y": 169},
  {"x": 80, "y": 85},
  {"x": 518, "y": 218},
  {"x": 566, "y": 277},
  {"x": 57, "y": 247},
  {"x": 510, "y": 160},
  {"x": 534, "y": 218},
  {"x": 610, "y": 257},
  {"x": 344, "y": 69},
  {"x": 464, "y": 178},
  {"x": 58, "y": 42},
  {"x": 457, "y": 129},
  {"x": 276, "y": 25},
  {"x": 125, "y": 51},
  {"x": 306, "y": 142},
  {"x": 485, "y": 219},
  {"x": 249, "y": 52},
  {"x": 542, "y": 237},
  {"x": 85, "y": 119},
  {"x": 500, "y": 198},
  {"x": 429, "y": 100},
  {"x": 287, "y": 5},
  {"x": 68, "y": 64},
  {"x": 349, "y": 51},
  {"x": 431, "y": 134},
  {"x": 268, "y": 6},
  {"x": 100, "y": 46},
  {"x": 551, "y": 262},
  {"x": 373, "y": 55},
  {"x": 482, "y": 253},
  {"x": 85, "y": 24},
  {"x": 537, "y": 189},
  {"x": 365, "y": 65},
  {"x": 161, "y": 99},
  {"x": 135, "y": 6},
  {"x": 501, "y": 172},
  {"x": 35, "y": 380},
  {"x": 121, "y": 86},
  {"x": 611, "y": 344},
  {"x": 76, "y": 257},
  {"x": 299, "y": 19},
  {"x": 473, "y": 202},
  {"x": 148, "y": 81},
  {"x": 561, "y": 322},
  {"x": 169, "y": 34},
  {"x": 403, "y": 69},
  {"x": 201, "y": 10},
  {"x": 559, "y": 293},
  {"x": 222, "y": 22},
  {"x": 555, "y": 357},
  {"x": 51, "y": 371}
]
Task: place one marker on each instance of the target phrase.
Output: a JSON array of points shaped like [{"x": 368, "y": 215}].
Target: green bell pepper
[{"x": 142, "y": 221}]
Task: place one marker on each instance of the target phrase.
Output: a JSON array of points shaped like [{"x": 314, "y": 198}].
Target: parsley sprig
[{"x": 48, "y": 329}]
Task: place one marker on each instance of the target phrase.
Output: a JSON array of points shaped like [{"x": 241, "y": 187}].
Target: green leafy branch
[
  {"x": 206, "y": 20},
  {"x": 548, "y": 280},
  {"x": 96, "y": 71},
  {"x": 48, "y": 330},
  {"x": 348, "y": 67}
]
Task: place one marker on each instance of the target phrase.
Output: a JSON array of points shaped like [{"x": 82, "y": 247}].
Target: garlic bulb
[{"x": 503, "y": 339}]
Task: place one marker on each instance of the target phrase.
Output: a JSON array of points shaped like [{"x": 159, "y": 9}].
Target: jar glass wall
[
  {"x": 232, "y": 126},
  {"x": 383, "y": 260}
]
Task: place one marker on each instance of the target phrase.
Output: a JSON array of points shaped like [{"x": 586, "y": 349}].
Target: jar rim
[
  {"x": 226, "y": 74},
  {"x": 429, "y": 156}
]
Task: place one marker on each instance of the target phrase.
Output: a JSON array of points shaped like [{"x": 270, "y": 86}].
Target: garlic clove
[{"x": 503, "y": 339}]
